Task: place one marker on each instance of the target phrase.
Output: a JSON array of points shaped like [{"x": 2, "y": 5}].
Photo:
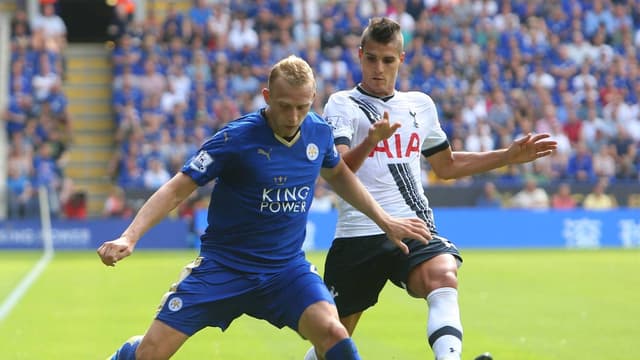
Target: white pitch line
[
  {"x": 32, "y": 276},
  {"x": 24, "y": 285}
]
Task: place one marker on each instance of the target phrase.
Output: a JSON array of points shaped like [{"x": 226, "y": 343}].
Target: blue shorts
[{"x": 211, "y": 294}]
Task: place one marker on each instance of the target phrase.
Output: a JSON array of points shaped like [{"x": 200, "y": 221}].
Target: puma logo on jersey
[{"x": 265, "y": 153}]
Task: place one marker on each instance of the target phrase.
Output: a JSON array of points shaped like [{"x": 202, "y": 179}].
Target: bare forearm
[
  {"x": 355, "y": 157},
  {"x": 470, "y": 163},
  {"x": 156, "y": 208}
]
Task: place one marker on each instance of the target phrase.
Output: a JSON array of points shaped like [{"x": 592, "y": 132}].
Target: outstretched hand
[
  {"x": 382, "y": 129},
  {"x": 111, "y": 252},
  {"x": 400, "y": 229},
  {"x": 529, "y": 148}
]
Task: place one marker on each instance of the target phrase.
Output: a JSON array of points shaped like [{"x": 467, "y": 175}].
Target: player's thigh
[
  {"x": 283, "y": 297},
  {"x": 356, "y": 270},
  {"x": 160, "y": 342},
  {"x": 206, "y": 295},
  {"x": 428, "y": 266}
]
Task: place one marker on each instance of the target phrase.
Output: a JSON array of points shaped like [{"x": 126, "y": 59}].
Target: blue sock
[
  {"x": 343, "y": 350},
  {"x": 128, "y": 350}
]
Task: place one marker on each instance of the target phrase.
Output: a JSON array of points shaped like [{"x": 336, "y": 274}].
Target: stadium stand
[
  {"x": 88, "y": 88},
  {"x": 496, "y": 69}
]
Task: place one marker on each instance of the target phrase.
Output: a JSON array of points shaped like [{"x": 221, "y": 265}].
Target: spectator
[
  {"x": 219, "y": 22},
  {"x": 490, "y": 197},
  {"x": 20, "y": 27},
  {"x": 579, "y": 50},
  {"x": 245, "y": 83},
  {"x": 597, "y": 16},
  {"x": 604, "y": 162},
  {"x": 331, "y": 37},
  {"x": 562, "y": 199},
  {"x": 598, "y": 199},
  {"x": 115, "y": 205},
  {"x": 44, "y": 80},
  {"x": 306, "y": 31},
  {"x": 178, "y": 79},
  {"x": 629, "y": 164},
  {"x": 580, "y": 165},
  {"x": 541, "y": 78},
  {"x": 74, "y": 202},
  {"x": 152, "y": 82},
  {"x": 199, "y": 15},
  {"x": 242, "y": 35},
  {"x": 500, "y": 114},
  {"x": 119, "y": 22},
  {"x": 22, "y": 197},
  {"x": 156, "y": 174},
  {"x": 531, "y": 197},
  {"x": 51, "y": 26}
]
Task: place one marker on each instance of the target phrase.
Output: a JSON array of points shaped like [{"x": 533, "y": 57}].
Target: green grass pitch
[{"x": 519, "y": 305}]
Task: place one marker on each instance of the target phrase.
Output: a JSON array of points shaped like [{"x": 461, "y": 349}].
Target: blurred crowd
[
  {"x": 496, "y": 70},
  {"x": 36, "y": 118}
]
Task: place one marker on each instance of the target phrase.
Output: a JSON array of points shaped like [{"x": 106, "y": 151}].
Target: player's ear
[
  {"x": 402, "y": 55},
  {"x": 265, "y": 95}
]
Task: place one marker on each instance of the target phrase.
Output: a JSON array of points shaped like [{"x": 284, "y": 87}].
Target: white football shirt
[{"x": 391, "y": 173}]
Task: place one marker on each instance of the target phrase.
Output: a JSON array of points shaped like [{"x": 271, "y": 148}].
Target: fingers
[
  {"x": 402, "y": 246},
  {"x": 419, "y": 230},
  {"x": 387, "y": 122},
  {"x": 523, "y": 140},
  {"x": 539, "y": 137},
  {"x": 110, "y": 254},
  {"x": 544, "y": 153},
  {"x": 536, "y": 139},
  {"x": 385, "y": 116}
]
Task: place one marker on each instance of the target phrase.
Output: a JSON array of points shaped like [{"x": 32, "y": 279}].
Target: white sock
[
  {"x": 444, "y": 328},
  {"x": 311, "y": 354}
]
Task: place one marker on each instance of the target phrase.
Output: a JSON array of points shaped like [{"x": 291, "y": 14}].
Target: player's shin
[
  {"x": 128, "y": 350},
  {"x": 444, "y": 327},
  {"x": 344, "y": 350}
]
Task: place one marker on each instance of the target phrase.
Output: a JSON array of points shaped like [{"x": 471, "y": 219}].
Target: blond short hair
[{"x": 294, "y": 70}]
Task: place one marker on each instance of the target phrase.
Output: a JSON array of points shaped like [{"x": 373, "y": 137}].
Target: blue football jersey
[{"x": 264, "y": 187}]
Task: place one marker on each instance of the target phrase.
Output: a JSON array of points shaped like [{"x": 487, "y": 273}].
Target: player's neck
[
  {"x": 362, "y": 89},
  {"x": 265, "y": 114}
]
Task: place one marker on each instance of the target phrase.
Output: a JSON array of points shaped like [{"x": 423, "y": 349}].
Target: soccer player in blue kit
[{"x": 265, "y": 165}]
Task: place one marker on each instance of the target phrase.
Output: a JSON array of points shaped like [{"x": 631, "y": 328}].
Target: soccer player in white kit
[{"x": 382, "y": 134}]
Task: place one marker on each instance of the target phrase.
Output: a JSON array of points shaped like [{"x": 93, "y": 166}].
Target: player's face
[
  {"x": 288, "y": 105},
  {"x": 380, "y": 64}
]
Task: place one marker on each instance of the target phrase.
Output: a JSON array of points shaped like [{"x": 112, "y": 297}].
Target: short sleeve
[
  {"x": 208, "y": 162},
  {"x": 338, "y": 114}
]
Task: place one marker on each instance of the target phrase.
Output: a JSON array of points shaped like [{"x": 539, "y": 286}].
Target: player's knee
[
  {"x": 424, "y": 281},
  {"x": 448, "y": 277},
  {"x": 334, "y": 332},
  {"x": 337, "y": 331}
]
